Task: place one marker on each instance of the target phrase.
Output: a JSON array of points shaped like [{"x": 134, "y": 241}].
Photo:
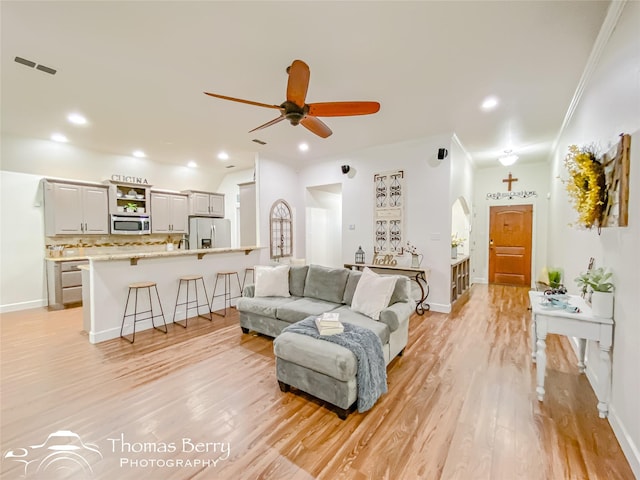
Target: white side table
[{"x": 583, "y": 325}]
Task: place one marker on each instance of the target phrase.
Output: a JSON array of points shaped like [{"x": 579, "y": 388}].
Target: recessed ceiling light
[
  {"x": 303, "y": 147},
  {"x": 192, "y": 164},
  {"x": 58, "y": 137},
  {"x": 223, "y": 156},
  {"x": 76, "y": 119},
  {"x": 489, "y": 103},
  {"x": 139, "y": 154}
]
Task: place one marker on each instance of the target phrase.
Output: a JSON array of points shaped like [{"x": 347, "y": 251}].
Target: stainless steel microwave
[{"x": 130, "y": 225}]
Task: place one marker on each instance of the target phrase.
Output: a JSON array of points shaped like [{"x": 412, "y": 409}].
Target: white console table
[{"x": 582, "y": 325}]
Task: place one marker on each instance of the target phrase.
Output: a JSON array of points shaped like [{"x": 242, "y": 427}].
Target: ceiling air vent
[
  {"x": 45, "y": 69},
  {"x": 30, "y": 64},
  {"x": 259, "y": 141},
  {"x": 26, "y": 62}
]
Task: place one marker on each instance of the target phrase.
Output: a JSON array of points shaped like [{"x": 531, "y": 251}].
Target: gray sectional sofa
[{"x": 320, "y": 368}]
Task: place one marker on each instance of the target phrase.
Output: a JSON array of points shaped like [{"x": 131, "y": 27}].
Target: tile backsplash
[{"x": 72, "y": 246}]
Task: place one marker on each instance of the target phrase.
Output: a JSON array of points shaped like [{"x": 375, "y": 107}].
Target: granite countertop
[{"x": 146, "y": 254}]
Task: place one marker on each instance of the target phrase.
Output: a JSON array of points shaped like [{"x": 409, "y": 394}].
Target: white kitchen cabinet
[
  {"x": 169, "y": 213},
  {"x": 206, "y": 204},
  {"x": 73, "y": 208},
  {"x": 64, "y": 283}
]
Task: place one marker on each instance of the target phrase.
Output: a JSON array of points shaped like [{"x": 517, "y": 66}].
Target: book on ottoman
[{"x": 329, "y": 324}]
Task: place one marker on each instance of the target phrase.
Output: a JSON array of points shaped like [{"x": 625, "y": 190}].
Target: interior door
[{"x": 510, "y": 245}]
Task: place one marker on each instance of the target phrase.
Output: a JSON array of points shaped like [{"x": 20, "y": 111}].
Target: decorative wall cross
[{"x": 509, "y": 180}]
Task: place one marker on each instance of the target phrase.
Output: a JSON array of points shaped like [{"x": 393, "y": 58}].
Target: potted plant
[
  {"x": 131, "y": 207},
  {"x": 596, "y": 281},
  {"x": 555, "y": 277},
  {"x": 455, "y": 243}
]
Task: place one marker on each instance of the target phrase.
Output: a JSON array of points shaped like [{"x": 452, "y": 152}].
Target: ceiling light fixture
[
  {"x": 489, "y": 103},
  {"x": 192, "y": 164},
  {"x": 76, "y": 119},
  {"x": 303, "y": 147},
  {"x": 58, "y": 137},
  {"x": 223, "y": 156},
  {"x": 509, "y": 158},
  {"x": 139, "y": 154}
]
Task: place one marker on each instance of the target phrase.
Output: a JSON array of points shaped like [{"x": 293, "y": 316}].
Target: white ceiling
[{"x": 137, "y": 70}]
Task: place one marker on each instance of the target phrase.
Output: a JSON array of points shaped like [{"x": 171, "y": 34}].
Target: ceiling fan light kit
[
  {"x": 297, "y": 112},
  {"x": 509, "y": 158}
]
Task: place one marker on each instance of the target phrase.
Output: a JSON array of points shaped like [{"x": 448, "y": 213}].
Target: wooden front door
[{"x": 510, "y": 245}]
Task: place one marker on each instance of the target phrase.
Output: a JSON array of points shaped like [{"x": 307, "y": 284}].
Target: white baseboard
[
  {"x": 439, "y": 307},
  {"x": 629, "y": 448},
  {"x": 14, "y": 307}
]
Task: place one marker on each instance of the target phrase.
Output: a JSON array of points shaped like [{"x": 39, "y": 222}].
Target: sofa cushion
[
  {"x": 318, "y": 355},
  {"x": 271, "y": 281},
  {"x": 326, "y": 283},
  {"x": 265, "y": 306},
  {"x": 297, "y": 277},
  {"x": 303, "y": 308},
  {"x": 373, "y": 293},
  {"x": 350, "y": 287},
  {"x": 402, "y": 290},
  {"x": 347, "y": 315}
]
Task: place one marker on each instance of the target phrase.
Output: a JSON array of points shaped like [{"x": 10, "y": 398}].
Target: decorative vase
[
  {"x": 454, "y": 253},
  {"x": 416, "y": 260},
  {"x": 602, "y": 304}
]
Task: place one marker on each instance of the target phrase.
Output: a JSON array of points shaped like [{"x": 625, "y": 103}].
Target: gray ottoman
[{"x": 320, "y": 368}]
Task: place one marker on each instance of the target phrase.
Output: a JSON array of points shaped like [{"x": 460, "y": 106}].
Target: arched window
[{"x": 281, "y": 228}]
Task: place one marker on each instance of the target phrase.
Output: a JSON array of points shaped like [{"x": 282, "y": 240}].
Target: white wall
[
  {"x": 610, "y": 105},
  {"x": 229, "y": 187},
  {"x": 531, "y": 176},
  {"x": 461, "y": 184},
  {"x": 279, "y": 181},
  {"x": 22, "y": 265},
  {"x": 24, "y": 163},
  {"x": 427, "y": 208}
]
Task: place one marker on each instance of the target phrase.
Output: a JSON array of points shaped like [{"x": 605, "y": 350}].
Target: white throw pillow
[
  {"x": 372, "y": 294},
  {"x": 271, "y": 281}
]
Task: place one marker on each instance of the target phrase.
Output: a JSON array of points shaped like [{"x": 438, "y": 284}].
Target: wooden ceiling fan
[{"x": 297, "y": 111}]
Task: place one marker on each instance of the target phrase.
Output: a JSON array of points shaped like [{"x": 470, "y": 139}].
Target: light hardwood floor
[{"x": 461, "y": 403}]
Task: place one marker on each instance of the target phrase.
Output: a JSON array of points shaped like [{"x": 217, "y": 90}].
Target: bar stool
[
  {"x": 135, "y": 287},
  {"x": 253, "y": 276},
  {"x": 188, "y": 279},
  {"x": 226, "y": 277}
]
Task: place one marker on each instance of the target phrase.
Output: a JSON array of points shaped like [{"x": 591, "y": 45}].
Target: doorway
[
  {"x": 323, "y": 208},
  {"x": 510, "y": 244}
]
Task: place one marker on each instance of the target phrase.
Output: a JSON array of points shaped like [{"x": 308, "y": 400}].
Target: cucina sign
[{"x": 129, "y": 179}]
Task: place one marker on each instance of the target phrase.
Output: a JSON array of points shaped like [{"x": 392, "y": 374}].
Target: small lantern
[{"x": 360, "y": 255}]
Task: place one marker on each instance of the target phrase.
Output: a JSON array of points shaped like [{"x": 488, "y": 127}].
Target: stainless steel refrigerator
[{"x": 207, "y": 232}]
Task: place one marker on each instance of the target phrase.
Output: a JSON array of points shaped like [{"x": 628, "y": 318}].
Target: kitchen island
[{"x": 105, "y": 282}]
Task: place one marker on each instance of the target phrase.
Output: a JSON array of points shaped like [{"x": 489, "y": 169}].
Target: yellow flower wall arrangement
[
  {"x": 586, "y": 184},
  {"x": 598, "y": 186}
]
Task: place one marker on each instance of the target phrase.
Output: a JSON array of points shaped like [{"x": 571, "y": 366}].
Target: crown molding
[{"x": 607, "y": 28}]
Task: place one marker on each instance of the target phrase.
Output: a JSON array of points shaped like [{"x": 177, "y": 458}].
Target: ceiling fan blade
[
  {"x": 298, "y": 82},
  {"x": 343, "y": 109},
  {"x": 224, "y": 97},
  {"x": 268, "y": 124},
  {"x": 316, "y": 126}
]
